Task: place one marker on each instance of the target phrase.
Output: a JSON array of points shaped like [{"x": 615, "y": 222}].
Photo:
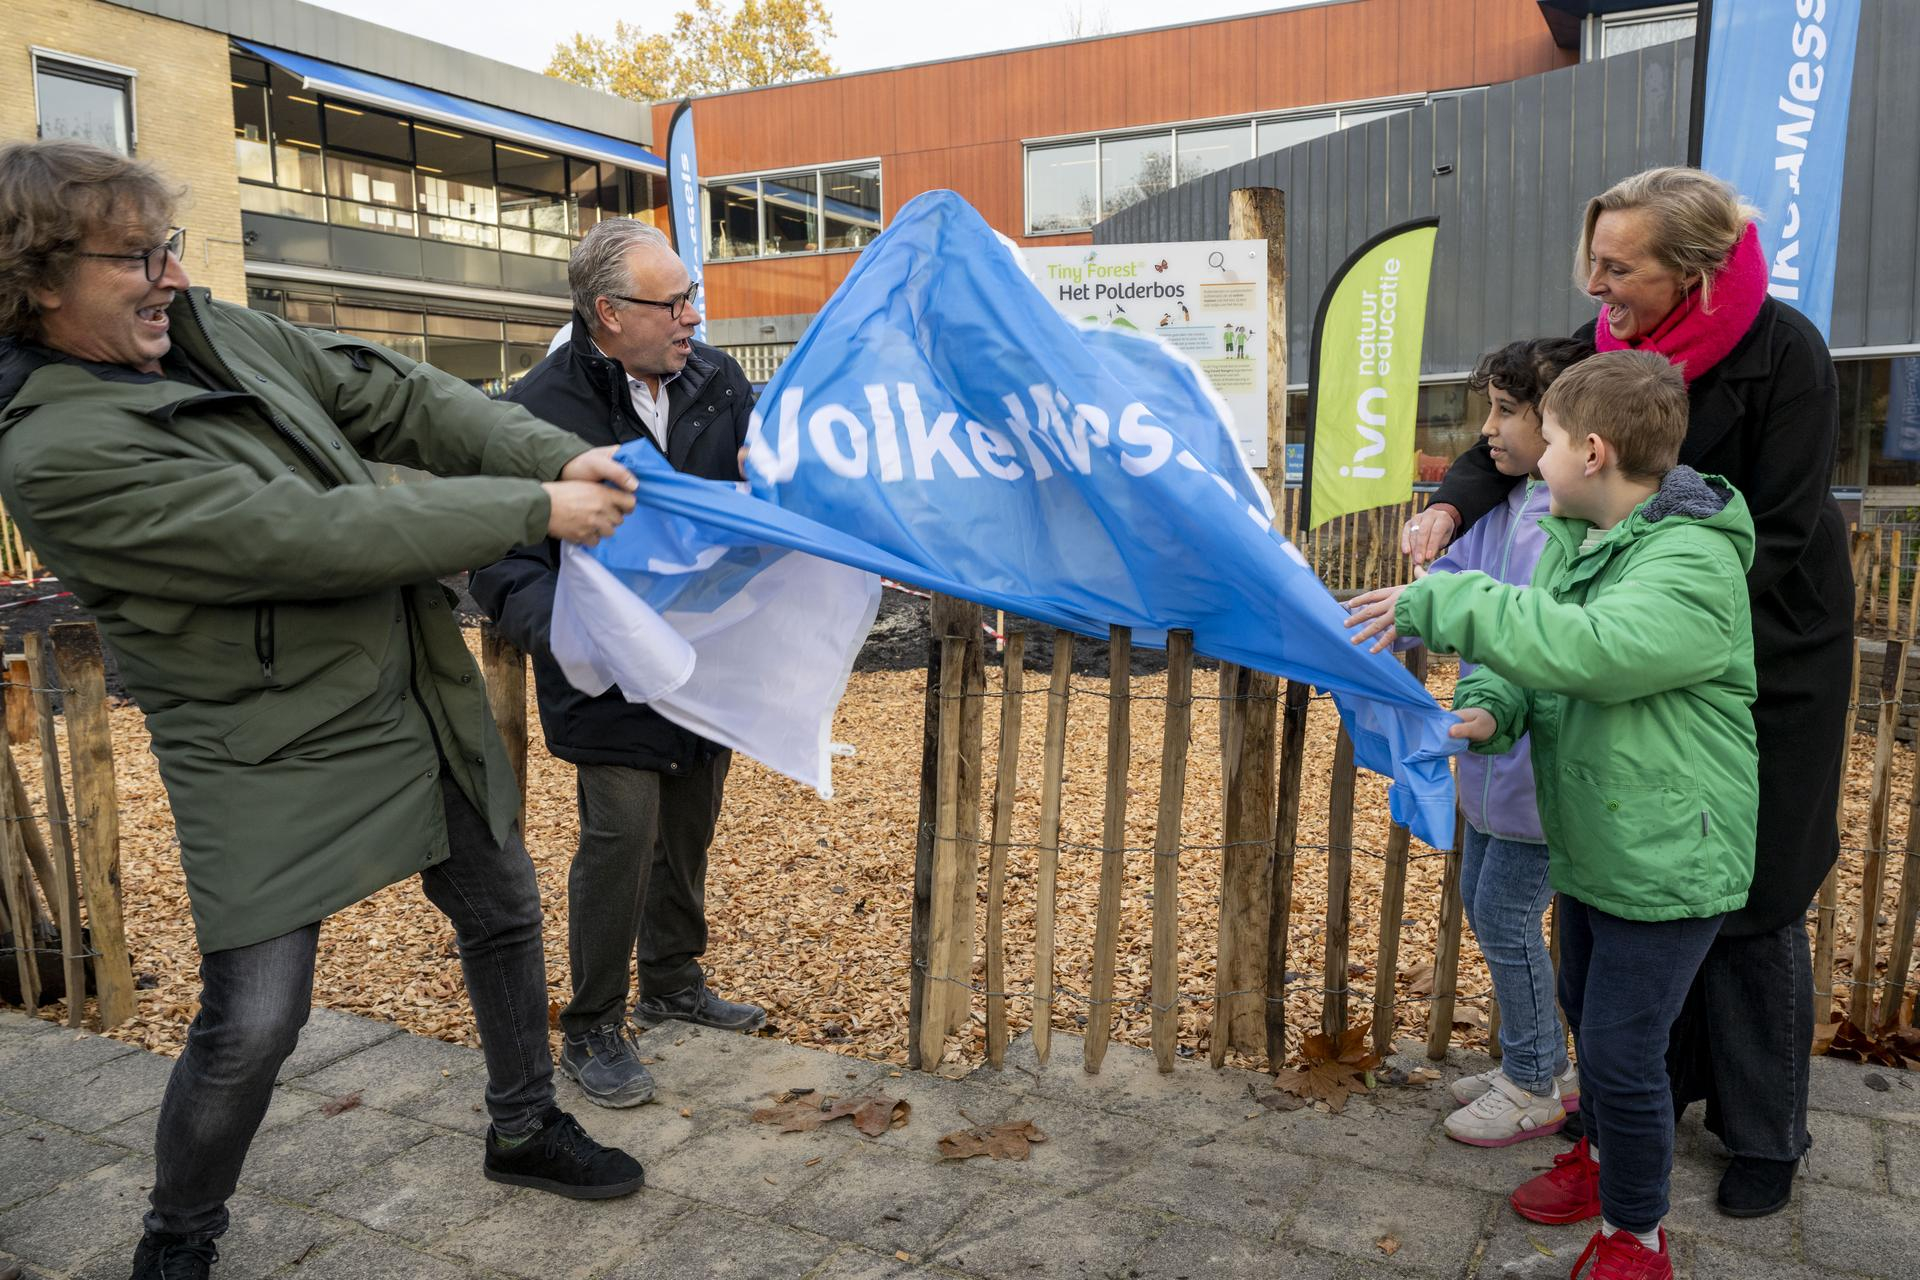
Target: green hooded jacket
[
  {"x": 1632, "y": 665},
  {"x": 274, "y": 610}
]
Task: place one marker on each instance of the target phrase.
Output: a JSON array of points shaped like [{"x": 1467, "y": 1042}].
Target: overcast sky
[{"x": 868, "y": 33}]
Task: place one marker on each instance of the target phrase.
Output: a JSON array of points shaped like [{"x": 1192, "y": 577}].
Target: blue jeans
[
  {"x": 254, "y": 1001},
  {"x": 1504, "y": 887},
  {"x": 1622, "y": 983}
]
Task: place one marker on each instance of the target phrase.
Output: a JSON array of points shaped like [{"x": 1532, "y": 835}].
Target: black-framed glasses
[
  {"x": 676, "y": 306},
  {"x": 153, "y": 260}
]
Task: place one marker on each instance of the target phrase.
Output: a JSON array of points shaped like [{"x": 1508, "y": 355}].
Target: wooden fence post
[
  {"x": 946, "y": 859},
  {"x": 96, "y": 810},
  {"x": 1900, "y": 957},
  {"x": 967, "y": 619},
  {"x": 1333, "y": 1002},
  {"x": 1286, "y": 835},
  {"x": 504, "y": 668},
  {"x": 20, "y": 709},
  {"x": 920, "y": 929},
  {"x": 1012, "y": 688},
  {"x": 1893, "y": 680},
  {"x": 1393, "y": 905},
  {"x": 72, "y": 945},
  {"x": 16, "y": 887},
  {"x": 1245, "y": 865},
  {"x": 1446, "y": 959},
  {"x": 1113, "y": 841},
  {"x": 1166, "y": 846},
  {"x": 1826, "y": 918},
  {"x": 1047, "y": 878}
]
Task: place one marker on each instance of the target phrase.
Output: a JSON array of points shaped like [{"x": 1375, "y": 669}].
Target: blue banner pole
[{"x": 683, "y": 198}]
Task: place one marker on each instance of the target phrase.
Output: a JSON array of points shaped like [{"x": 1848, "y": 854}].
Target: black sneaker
[
  {"x": 603, "y": 1063},
  {"x": 162, "y": 1257},
  {"x": 1754, "y": 1188},
  {"x": 561, "y": 1158},
  {"x": 698, "y": 1005}
]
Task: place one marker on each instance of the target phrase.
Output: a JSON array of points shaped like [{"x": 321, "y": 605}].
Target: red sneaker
[
  {"x": 1568, "y": 1192},
  {"x": 1621, "y": 1256}
]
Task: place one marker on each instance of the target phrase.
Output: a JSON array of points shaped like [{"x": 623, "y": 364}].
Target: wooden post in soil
[
  {"x": 1166, "y": 846},
  {"x": 1241, "y": 968},
  {"x": 937, "y": 1000},
  {"x": 1393, "y": 903},
  {"x": 1893, "y": 679},
  {"x": 96, "y": 811},
  {"x": 33, "y": 846},
  {"x": 504, "y": 668},
  {"x": 968, "y": 620},
  {"x": 1246, "y": 864},
  {"x": 18, "y": 892},
  {"x": 1827, "y": 916},
  {"x": 1446, "y": 957},
  {"x": 72, "y": 946},
  {"x": 1333, "y": 1001},
  {"x": 1900, "y": 955},
  {"x": 1113, "y": 841},
  {"x": 1286, "y": 835},
  {"x": 19, "y": 699},
  {"x": 1893, "y": 585},
  {"x": 1047, "y": 877},
  {"x": 1012, "y": 688},
  {"x": 920, "y": 928}
]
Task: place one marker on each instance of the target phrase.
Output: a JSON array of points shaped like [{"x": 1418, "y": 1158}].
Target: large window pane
[
  {"x": 1060, "y": 191},
  {"x": 792, "y": 212},
  {"x": 294, "y": 118},
  {"x": 385, "y": 319},
  {"x": 852, "y": 203},
  {"x": 537, "y": 211},
  {"x": 530, "y": 170},
  {"x": 1203, "y": 151},
  {"x": 476, "y": 361},
  {"x": 378, "y": 197},
  {"x": 1278, "y": 135},
  {"x": 733, "y": 220},
  {"x": 282, "y": 203},
  {"x": 456, "y": 174},
  {"x": 84, "y": 104},
  {"x": 1131, "y": 169},
  {"x": 646, "y": 199},
  {"x": 409, "y": 345},
  {"x": 583, "y": 181},
  {"x": 368, "y": 131},
  {"x": 252, "y": 150},
  {"x": 1620, "y": 36},
  {"x": 521, "y": 357}
]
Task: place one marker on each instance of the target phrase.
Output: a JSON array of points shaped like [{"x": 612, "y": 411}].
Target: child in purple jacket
[{"x": 1503, "y": 868}]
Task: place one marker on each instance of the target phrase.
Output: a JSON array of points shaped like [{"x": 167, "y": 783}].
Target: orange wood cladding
[{"x": 960, "y": 124}]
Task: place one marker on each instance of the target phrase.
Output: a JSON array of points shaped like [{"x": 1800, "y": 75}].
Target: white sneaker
[
  {"x": 1468, "y": 1088},
  {"x": 1506, "y": 1114}
]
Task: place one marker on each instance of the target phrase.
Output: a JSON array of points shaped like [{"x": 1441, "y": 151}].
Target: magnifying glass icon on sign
[{"x": 1217, "y": 259}]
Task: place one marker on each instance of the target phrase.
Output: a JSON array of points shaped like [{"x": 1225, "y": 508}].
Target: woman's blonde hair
[
  {"x": 1695, "y": 220},
  {"x": 52, "y": 196}
]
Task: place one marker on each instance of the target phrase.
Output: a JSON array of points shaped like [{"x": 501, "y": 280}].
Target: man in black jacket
[{"x": 649, "y": 791}]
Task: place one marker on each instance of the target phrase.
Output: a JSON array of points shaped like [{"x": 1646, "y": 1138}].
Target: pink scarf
[{"x": 1696, "y": 339}]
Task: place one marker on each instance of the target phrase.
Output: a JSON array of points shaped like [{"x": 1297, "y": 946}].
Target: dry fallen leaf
[
  {"x": 802, "y": 1112},
  {"x": 1330, "y": 1072},
  {"x": 1419, "y": 979},
  {"x": 1387, "y": 1245},
  {"x": 345, "y": 1102},
  {"x": 686, "y": 1113},
  {"x": 1010, "y": 1140}
]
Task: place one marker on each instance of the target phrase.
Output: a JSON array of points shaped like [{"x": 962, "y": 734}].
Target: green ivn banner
[{"x": 1366, "y": 375}]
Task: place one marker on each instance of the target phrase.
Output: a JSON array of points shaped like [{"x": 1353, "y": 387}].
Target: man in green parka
[{"x": 196, "y": 473}]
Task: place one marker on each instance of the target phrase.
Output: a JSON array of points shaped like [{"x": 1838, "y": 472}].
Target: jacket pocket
[
  {"x": 1642, "y": 837},
  {"x": 278, "y": 718}
]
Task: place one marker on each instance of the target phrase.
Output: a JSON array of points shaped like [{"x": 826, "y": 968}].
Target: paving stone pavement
[{"x": 1144, "y": 1176}]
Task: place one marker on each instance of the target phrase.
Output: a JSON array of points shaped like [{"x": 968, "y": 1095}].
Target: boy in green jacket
[{"x": 1630, "y": 660}]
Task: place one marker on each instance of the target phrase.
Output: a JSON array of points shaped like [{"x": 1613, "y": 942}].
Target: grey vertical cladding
[{"x": 1525, "y": 158}]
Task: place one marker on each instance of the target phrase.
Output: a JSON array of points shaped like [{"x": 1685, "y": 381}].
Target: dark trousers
[
  {"x": 254, "y": 1000},
  {"x": 638, "y": 886},
  {"x": 1622, "y": 984},
  {"x": 1741, "y": 1042}
]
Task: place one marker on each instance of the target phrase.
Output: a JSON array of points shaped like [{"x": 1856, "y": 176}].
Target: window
[
  {"x": 806, "y": 211},
  {"x": 368, "y": 194},
  {"x": 468, "y": 347},
  {"x": 456, "y": 190},
  {"x": 1624, "y": 32},
  {"x": 1071, "y": 184},
  {"x": 367, "y": 132},
  {"x": 252, "y": 150},
  {"x": 84, "y": 100},
  {"x": 1061, "y": 182}
]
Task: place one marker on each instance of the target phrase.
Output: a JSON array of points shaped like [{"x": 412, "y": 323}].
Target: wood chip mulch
[{"x": 809, "y": 901}]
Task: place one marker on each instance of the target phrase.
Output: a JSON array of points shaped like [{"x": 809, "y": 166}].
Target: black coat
[
  {"x": 578, "y": 388},
  {"x": 1767, "y": 418}
]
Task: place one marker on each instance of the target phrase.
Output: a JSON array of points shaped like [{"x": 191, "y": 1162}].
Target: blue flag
[
  {"x": 941, "y": 424},
  {"x": 1779, "y": 82},
  {"x": 683, "y": 197}
]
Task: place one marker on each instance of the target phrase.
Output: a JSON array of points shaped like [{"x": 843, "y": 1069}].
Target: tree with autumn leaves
[{"x": 711, "y": 49}]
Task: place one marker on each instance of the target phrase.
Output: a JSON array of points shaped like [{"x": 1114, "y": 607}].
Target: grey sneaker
[
  {"x": 604, "y": 1065},
  {"x": 698, "y": 1005}
]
